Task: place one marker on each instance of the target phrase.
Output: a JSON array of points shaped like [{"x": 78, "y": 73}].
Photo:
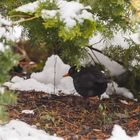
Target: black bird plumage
[{"x": 88, "y": 81}]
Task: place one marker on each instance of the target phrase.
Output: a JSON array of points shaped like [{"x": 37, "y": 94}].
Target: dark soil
[{"x": 76, "y": 118}]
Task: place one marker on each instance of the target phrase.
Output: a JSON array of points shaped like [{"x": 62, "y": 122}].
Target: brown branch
[
  {"x": 97, "y": 42},
  {"x": 92, "y": 48},
  {"x": 24, "y": 20}
]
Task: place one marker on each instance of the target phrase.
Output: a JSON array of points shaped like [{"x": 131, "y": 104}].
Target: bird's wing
[
  {"x": 86, "y": 81},
  {"x": 89, "y": 80},
  {"x": 100, "y": 79}
]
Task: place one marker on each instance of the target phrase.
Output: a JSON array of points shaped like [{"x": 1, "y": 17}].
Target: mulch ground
[{"x": 76, "y": 118}]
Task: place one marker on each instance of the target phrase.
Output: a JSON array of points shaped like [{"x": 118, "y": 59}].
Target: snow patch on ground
[
  {"x": 113, "y": 88},
  {"x": 119, "y": 134},
  {"x": 18, "y": 130},
  {"x": 104, "y": 96},
  {"x": 29, "y": 85},
  {"x": 52, "y": 72},
  {"x": 50, "y": 80},
  {"x": 17, "y": 79},
  {"x": 27, "y": 112}
]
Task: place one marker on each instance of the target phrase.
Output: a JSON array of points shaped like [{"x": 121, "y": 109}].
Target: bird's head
[{"x": 72, "y": 71}]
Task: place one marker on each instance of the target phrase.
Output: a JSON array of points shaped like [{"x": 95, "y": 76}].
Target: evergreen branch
[
  {"x": 130, "y": 40},
  {"x": 21, "y": 16},
  {"x": 24, "y": 20},
  {"x": 4, "y": 105},
  {"x": 19, "y": 21}
]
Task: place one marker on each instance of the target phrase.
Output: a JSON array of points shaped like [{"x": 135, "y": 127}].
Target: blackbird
[{"x": 88, "y": 81}]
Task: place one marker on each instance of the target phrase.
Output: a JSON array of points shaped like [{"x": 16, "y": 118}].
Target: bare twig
[
  {"x": 24, "y": 20},
  {"x": 97, "y": 42},
  {"x": 55, "y": 62}
]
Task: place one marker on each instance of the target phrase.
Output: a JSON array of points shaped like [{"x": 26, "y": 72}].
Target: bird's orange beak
[{"x": 65, "y": 75}]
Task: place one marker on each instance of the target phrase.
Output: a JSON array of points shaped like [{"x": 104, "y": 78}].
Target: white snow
[
  {"x": 51, "y": 80},
  {"x": 52, "y": 74},
  {"x": 4, "y": 21},
  {"x": 86, "y": 15},
  {"x": 16, "y": 79},
  {"x": 9, "y": 32},
  {"x": 104, "y": 96},
  {"x": 2, "y": 32},
  {"x": 66, "y": 86},
  {"x": 70, "y": 12},
  {"x": 14, "y": 33},
  {"x": 98, "y": 41},
  {"x": 119, "y": 39},
  {"x": 18, "y": 130},
  {"x": 27, "y": 112},
  {"x": 28, "y": 8},
  {"x": 124, "y": 102},
  {"x": 119, "y": 134},
  {"x": 135, "y": 62},
  {"x": 113, "y": 88},
  {"x": 54, "y": 67},
  {"x": 124, "y": 92},
  {"x": 2, "y": 47},
  {"x": 114, "y": 67},
  {"x": 48, "y": 13},
  {"x": 30, "y": 85}
]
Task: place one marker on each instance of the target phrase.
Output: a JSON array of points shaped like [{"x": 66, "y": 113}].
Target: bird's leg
[
  {"x": 87, "y": 103},
  {"x": 99, "y": 97},
  {"x": 94, "y": 99}
]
